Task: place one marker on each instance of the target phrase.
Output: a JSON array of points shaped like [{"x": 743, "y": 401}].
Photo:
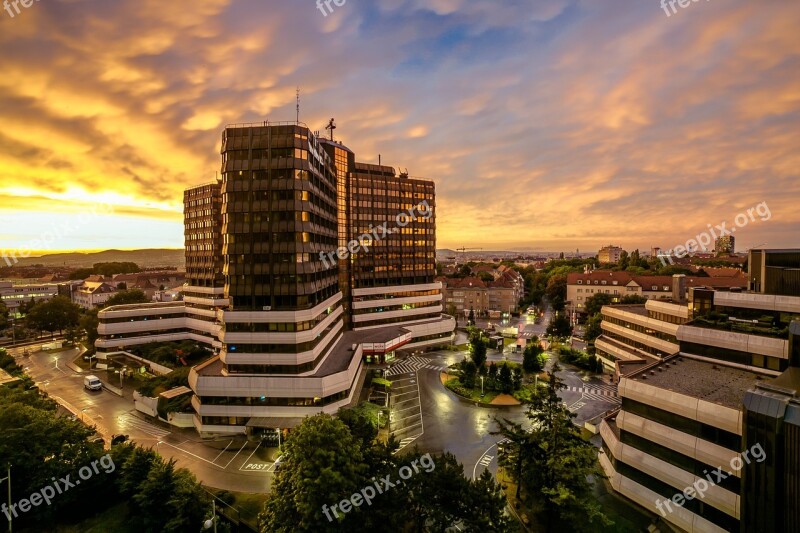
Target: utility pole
[{"x": 9, "y": 496}]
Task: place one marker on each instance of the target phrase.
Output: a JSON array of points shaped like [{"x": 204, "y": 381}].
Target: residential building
[
  {"x": 725, "y": 245},
  {"x": 467, "y": 294},
  {"x": 582, "y": 286},
  {"x": 293, "y": 327},
  {"x": 609, "y": 254},
  {"x": 13, "y": 295},
  {"x": 92, "y": 294}
]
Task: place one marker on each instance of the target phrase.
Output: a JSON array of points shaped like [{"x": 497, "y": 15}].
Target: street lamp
[
  {"x": 481, "y": 386},
  {"x": 208, "y": 524},
  {"x": 55, "y": 359}
]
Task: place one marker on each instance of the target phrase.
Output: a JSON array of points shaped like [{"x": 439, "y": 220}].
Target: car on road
[
  {"x": 92, "y": 383},
  {"x": 118, "y": 439}
]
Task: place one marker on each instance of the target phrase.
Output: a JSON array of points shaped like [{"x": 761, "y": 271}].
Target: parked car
[
  {"x": 118, "y": 439},
  {"x": 92, "y": 383}
]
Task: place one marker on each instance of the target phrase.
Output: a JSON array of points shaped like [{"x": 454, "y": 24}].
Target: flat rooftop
[
  {"x": 340, "y": 357},
  {"x": 638, "y": 309},
  {"x": 707, "y": 381}
]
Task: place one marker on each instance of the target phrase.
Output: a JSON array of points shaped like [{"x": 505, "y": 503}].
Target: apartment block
[
  {"x": 582, "y": 286},
  {"x": 609, "y": 254}
]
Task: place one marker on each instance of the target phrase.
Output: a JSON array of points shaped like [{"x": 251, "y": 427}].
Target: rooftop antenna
[
  {"x": 298, "y": 105},
  {"x": 331, "y": 126}
]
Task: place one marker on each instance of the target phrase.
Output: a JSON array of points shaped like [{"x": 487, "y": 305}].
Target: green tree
[
  {"x": 557, "y": 289},
  {"x": 437, "y": 499},
  {"x": 469, "y": 373},
  {"x": 506, "y": 379},
  {"x": 323, "y": 464},
  {"x": 89, "y": 323},
  {"x": 596, "y": 302},
  {"x": 624, "y": 260},
  {"x": 4, "y": 322},
  {"x": 557, "y": 463},
  {"x": 134, "y": 471},
  {"x": 134, "y": 296},
  {"x": 633, "y": 299},
  {"x": 492, "y": 373},
  {"x": 486, "y": 506},
  {"x": 559, "y": 326},
  {"x": 533, "y": 358},
  {"x": 53, "y": 315},
  {"x": 477, "y": 349},
  {"x": 593, "y": 328}
]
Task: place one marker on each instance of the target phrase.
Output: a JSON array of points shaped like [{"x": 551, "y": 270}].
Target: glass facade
[{"x": 279, "y": 212}]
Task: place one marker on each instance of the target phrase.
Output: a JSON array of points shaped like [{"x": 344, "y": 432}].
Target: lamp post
[
  {"x": 481, "y": 386},
  {"x": 8, "y": 478},
  {"x": 208, "y": 524},
  {"x": 83, "y": 411},
  {"x": 55, "y": 359}
]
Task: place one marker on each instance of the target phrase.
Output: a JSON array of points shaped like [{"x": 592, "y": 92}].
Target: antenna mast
[
  {"x": 298, "y": 105},
  {"x": 331, "y": 126}
]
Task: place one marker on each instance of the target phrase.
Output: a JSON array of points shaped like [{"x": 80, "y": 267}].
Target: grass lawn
[
  {"x": 249, "y": 505},
  {"x": 112, "y": 519},
  {"x": 474, "y": 394}
]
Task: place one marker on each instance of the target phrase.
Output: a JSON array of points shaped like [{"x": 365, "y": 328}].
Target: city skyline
[{"x": 574, "y": 144}]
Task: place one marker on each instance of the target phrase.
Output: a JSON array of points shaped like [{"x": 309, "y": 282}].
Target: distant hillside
[{"x": 144, "y": 258}]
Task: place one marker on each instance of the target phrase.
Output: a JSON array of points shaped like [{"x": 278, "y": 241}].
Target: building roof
[
  {"x": 608, "y": 276},
  {"x": 719, "y": 272},
  {"x": 470, "y": 282},
  {"x": 662, "y": 283},
  {"x": 712, "y": 382}
]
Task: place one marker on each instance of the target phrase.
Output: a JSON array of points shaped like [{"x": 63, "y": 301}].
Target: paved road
[
  {"x": 228, "y": 464},
  {"x": 452, "y": 424}
]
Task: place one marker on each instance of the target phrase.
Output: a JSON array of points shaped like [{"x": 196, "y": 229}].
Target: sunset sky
[{"x": 546, "y": 124}]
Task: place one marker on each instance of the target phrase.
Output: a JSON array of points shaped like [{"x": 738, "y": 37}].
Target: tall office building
[
  {"x": 725, "y": 245},
  {"x": 289, "y": 282}
]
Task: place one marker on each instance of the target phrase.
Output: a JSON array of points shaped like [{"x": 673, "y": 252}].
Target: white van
[{"x": 92, "y": 383}]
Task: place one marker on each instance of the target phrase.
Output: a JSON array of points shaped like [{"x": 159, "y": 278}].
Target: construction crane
[{"x": 462, "y": 250}]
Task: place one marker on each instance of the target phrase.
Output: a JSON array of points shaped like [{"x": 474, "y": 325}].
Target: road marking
[
  {"x": 192, "y": 454},
  {"x": 251, "y": 455},
  {"x": 237, "y": 455},
  {"x": 475, "y": 468},
  {"x": 223, "y": 451}
]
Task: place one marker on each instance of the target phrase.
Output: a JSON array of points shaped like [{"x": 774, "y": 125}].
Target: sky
[{"x": 546, "y": 125}]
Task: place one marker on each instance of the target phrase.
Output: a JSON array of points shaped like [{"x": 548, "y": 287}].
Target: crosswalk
[
  {"x": 603, "y": 393},
  {"x": 413, "y": 364},
  {"x": 129, "y": 422}
]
